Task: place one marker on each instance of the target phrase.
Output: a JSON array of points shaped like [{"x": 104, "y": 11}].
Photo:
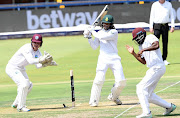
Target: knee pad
[
  {"x": 120, "y": 84},
  {"x": 117, "y": 88},
  {"x": 25, "y": 84},
  {"x": 30, "y": 87}
]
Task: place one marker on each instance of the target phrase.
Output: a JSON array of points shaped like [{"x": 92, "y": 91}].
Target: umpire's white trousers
[
  {"x": 21, "y": 79},
  {"x": 145, "y": 89}
]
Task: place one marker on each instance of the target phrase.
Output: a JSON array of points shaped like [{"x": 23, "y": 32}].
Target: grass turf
[{"x": 52, "y": 84}]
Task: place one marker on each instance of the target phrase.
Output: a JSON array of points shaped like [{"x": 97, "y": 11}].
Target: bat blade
[{"x": 101, "y": 15}]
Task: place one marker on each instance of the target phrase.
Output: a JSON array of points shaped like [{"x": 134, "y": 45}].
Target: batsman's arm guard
[{"x": 94, "y": 43}]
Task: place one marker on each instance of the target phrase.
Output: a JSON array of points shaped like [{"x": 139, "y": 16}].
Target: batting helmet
[
  {"x": 139, "y": 34},
  {"x": 108, "y": 19},
  {"x": 37, "y": 38}
]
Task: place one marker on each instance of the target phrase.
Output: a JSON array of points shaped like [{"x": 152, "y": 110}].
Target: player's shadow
[
  {"x": 126, "y": 104},
  {"x": 174, "y": 63},
  {"x": 130, "y": 104},
  {"x": 38, "y": 109},
  {"x": 171, "y": 115}
]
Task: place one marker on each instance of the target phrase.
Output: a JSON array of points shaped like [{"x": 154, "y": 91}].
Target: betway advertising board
[{"x": 25, "y": 20}]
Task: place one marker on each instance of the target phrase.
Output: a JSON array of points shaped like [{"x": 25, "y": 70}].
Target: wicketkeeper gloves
[
  {"x": 52, "y": 63},
  {"x": 45, "y": 58}
]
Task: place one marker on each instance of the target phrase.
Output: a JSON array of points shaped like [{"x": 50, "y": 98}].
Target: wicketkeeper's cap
[{"x": 36, "y": 38}]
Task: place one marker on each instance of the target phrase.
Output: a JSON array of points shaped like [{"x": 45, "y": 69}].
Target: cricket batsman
[
  {"x": 27, "y": 54},
  {"x": 150, "y": 54},
  {"x": 107, "y": 39}
]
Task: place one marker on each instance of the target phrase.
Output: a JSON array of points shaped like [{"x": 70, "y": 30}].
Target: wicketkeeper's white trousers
[
  {"x": 145, "y": 89},
  {"x": 21, "y": 79}
]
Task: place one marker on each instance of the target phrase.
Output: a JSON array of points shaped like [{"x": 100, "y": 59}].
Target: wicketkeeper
[
  {"x": 149, "y": 54},
  {"x": 27, "y": 54},
  {"x": 106, "y": 38}
]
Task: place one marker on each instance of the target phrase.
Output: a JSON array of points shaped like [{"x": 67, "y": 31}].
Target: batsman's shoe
[
  {"x": 149, "y": 115},
  {"x": 117, "y": 101},
  {"x": 24, "y": 109},
  {"x": 169, "y": 110},
  {"x": 14, "y": 105},
  {"x": 93, "y": 104}
]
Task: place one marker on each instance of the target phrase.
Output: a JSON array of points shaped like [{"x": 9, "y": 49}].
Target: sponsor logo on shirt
[{"x": 36, "y": 56}]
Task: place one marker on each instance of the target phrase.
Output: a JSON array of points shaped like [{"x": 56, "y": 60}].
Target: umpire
[{"x": 161, "y": 14}]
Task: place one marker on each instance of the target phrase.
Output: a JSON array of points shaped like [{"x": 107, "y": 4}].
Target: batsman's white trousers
[
  {"x": 21, "y": 79},
  {"x": 103, "y": 64},
  {"x": 145, "y": 89}
]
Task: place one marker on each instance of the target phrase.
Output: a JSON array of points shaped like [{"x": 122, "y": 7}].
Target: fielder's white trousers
[
  {"x": 21, "y": 79},
  {"x": 103, "y": 64},
  {"x": 145, "y": 89}
]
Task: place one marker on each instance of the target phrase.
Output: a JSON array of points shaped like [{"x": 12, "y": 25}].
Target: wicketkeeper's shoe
[
  {"x": 117, "y": 101},
  {"x": 169, "y": 110},
  {"x": 14, "y": 106},
  {"x": 24, "y": 109},
  {"x": 149, "y": 115}
]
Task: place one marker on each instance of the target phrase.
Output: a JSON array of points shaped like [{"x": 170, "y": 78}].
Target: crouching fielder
[
  {"x": 27, "y": 54},
  {"x": 108, "y": 58},
  {"x": 149, "y": 54}
]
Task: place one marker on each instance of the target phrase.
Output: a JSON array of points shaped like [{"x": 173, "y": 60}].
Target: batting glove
[{"x": 87, "y": 33}]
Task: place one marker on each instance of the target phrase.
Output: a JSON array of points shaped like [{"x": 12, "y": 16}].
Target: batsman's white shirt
[
  {"x": 153, "y": 57},
  {"x": 25, "y": 56},
  {"x": 107, "y": 39}
]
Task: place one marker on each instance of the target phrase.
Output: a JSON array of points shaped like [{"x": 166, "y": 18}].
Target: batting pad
[{"x": 117, "y": 88}]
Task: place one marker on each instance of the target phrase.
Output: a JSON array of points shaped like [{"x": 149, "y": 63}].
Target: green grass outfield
[{"x": 51, "y": 85}]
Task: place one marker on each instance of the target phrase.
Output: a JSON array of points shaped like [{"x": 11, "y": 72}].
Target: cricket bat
[{"x": 100, "y": 17}]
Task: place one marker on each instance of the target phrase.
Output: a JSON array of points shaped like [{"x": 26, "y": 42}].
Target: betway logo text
[{"x": 57, "y": 19}]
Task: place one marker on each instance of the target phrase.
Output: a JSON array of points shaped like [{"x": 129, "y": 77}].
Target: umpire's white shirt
[
  {"x": 107, "y": 39},
  {"x": 161, "y": 13},
  {"x": 25, "y": 56},
  {"x": 153, "y": 57}
]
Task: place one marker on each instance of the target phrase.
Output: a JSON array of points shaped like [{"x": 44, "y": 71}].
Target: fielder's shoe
[
  {"x": 117, "y": 101},
  {"x": 93, "y": 104},
  {"x": 24, "y": 109},
  {"x": 14, "y": 106},
  {"x": 169, "y": 110},
  {"x": 149, "y": 115},
  {"x": 166, "y": 62}
]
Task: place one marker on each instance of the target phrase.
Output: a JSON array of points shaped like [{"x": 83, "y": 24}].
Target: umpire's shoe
[{"x": 169, "y": 110}]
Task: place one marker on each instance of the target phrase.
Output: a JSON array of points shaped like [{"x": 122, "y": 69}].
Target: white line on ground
[
  {"x": 138, "y": 103},
  {"x": 83, "y": 81}
]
